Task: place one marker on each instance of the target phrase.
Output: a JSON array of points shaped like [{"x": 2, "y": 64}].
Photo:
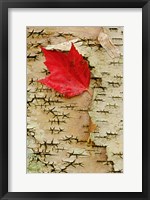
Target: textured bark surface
[{"x": 82, "y": 134}]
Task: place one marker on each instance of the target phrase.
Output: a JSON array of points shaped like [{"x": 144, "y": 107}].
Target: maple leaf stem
[{"x": 90, "y": 92}]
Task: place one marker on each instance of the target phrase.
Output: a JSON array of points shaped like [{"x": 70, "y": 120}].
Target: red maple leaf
[{"x": 69, "y": 72}]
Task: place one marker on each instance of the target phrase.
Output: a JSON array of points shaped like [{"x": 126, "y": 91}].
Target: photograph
[{"x": 74, "y": 99}]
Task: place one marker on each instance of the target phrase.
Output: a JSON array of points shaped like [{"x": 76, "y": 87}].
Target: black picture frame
[{"x": 4, "y": 6}]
